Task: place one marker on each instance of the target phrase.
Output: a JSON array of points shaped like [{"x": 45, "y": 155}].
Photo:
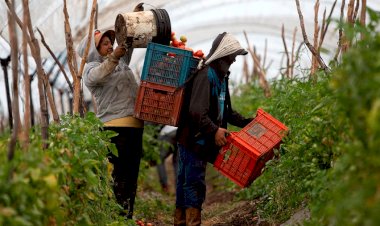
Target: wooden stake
[
  {"x": 314, "y": 62},
  {"x": 363, "y": 15},
  {"x": 33, "y": 43},
  {"x": 26, "y": 78},
  {"x": 77, "y": 82},
  {"x": 71, "y": 57},
  {"x": 350, "y": 20},
  {"x": 15, "y": 102}
]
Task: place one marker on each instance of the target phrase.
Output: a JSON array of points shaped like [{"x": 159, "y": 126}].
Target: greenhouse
[{"x": 229, "y": 112}]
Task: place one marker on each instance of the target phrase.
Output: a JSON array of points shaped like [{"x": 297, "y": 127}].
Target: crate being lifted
[
  {"x": 244, "y": 156},
  {"x": 158, "y": 103},
  {"x": 167, "y": 65},
  {"x": 163, "y": 78}
]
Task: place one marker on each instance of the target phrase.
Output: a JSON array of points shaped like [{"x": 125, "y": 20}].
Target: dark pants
[
  {"x": 126, "y": 165},
  {"x": 191, "y": 185}
]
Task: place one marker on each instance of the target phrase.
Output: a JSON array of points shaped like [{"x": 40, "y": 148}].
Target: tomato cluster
[
  {"x": 181, "y": 44},
  {"x": 142, "y": 223}
]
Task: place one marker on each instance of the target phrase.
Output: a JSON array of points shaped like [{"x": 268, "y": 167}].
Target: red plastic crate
[
  {"x": 159, "y": 103},
  {"x": 244, "y": 156}
]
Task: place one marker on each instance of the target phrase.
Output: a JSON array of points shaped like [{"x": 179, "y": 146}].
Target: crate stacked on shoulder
[
  {"x": 161, "y": 90},
  {"x": 246, "y": 152}
]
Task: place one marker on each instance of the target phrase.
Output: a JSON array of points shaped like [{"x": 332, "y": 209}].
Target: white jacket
[{"x": 111, "y": 82}]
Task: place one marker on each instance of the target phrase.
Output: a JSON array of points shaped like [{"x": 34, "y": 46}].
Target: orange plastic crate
[
  {"x": 244, "y": 156},
  {"x": 159, "y": 103}
]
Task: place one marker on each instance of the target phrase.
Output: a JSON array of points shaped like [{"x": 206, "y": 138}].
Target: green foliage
[
  {"x": 68, "y": 183},
  {"x": 330, "y": 161},
  {"x": 305, "y": 107},
  {"x": 353, "y": 194}
]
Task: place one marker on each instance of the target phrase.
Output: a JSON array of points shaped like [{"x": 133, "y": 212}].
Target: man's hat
[{"x": 98, "y": 35}]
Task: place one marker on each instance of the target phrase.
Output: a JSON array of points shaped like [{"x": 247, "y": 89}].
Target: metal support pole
[{"x": 4, "y": 65}]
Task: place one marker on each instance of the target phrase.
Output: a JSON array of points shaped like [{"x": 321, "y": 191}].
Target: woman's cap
[{"x": 98, "y": 35}]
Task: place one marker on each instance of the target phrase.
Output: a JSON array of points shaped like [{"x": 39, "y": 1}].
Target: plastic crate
[
  {"x": 159, "y": 103},
  {"x": 244, "y": 156},
  {"x": 167, "y": 65}
]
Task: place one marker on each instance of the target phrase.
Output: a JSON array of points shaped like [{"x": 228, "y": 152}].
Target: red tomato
[{"x": 175, "y": 43}]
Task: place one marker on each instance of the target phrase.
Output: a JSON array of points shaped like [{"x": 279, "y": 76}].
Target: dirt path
[{"x": 220, "y": 207}]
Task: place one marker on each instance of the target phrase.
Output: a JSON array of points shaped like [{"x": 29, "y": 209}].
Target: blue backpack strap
[{"x": 218, "y": 88}]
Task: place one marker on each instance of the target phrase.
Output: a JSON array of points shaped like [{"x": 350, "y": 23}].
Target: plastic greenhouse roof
[{"x": 200, "y": 21}]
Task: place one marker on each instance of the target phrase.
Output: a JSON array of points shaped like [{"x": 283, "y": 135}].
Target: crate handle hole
[
  {"x": 160, "y": 91},
  {"x": 227, "y": 155}
]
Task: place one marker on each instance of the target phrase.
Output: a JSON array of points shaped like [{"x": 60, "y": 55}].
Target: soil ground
[{"x": 220, "y": 207}]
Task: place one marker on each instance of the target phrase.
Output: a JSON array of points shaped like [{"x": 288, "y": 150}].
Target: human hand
[
  {"x": 220, "y": 137},
  {"x": 119, "y": 51},
  {"x": 139, "y": 7}
]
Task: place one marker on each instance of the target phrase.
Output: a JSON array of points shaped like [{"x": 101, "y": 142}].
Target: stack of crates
[
  {"x": 163, "y": 77},
  {"x": 244, "y": 156}
]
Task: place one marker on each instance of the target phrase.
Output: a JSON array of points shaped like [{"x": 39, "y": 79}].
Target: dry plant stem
[
  {"x": 26, "y": 78},
  {"x": 77, "y": 82},
  {"x": 306, "y": 40},
  {"x": 41, "y": 75},
  {"x": 33, "y": 44},
  {"x": 340, "y": 38},
  {"x": 286, "y": 51},
  {"x": 327, "y": 23},
  {"x": 265, "y": 53},
  {"x": 350, "y": 20},
  {"x": 292, "y": 56},
  {"x": 321, "y": 31},
  {"x": 357, "y": 5},
  {"x": 245, "y": 71},
  {"x": 262, "y": 80},
  {"x": 49, "y": 93},
  {"x": 56, "y": 61},
  {"x": 314, "y": 62},
  {"x": 255, "y": 66},
  {"x": 71, "y": 58},
  {"x": 15, "y": 107},
  {"x": 363, "y": 15},
  {"x": 350, "y": 11},
  {"x": 89, "y": 37}
]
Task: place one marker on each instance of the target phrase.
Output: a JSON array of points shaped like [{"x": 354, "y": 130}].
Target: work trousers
[
  {"x": 191, "y": 185},
  {"x": 126, "y": 166}
]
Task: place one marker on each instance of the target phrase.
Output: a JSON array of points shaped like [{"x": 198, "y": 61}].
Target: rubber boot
[
  {"x": 179, "y": 217},
  {"x": 193, "y": 216}
]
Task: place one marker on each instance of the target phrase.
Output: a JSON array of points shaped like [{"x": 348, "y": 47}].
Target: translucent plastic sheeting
[
  {"x": 200, "y": 21},
  {"x": 48, "y": 16}
]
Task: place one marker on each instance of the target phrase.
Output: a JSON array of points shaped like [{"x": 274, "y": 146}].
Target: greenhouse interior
[{"x": 104, "y": 115}]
